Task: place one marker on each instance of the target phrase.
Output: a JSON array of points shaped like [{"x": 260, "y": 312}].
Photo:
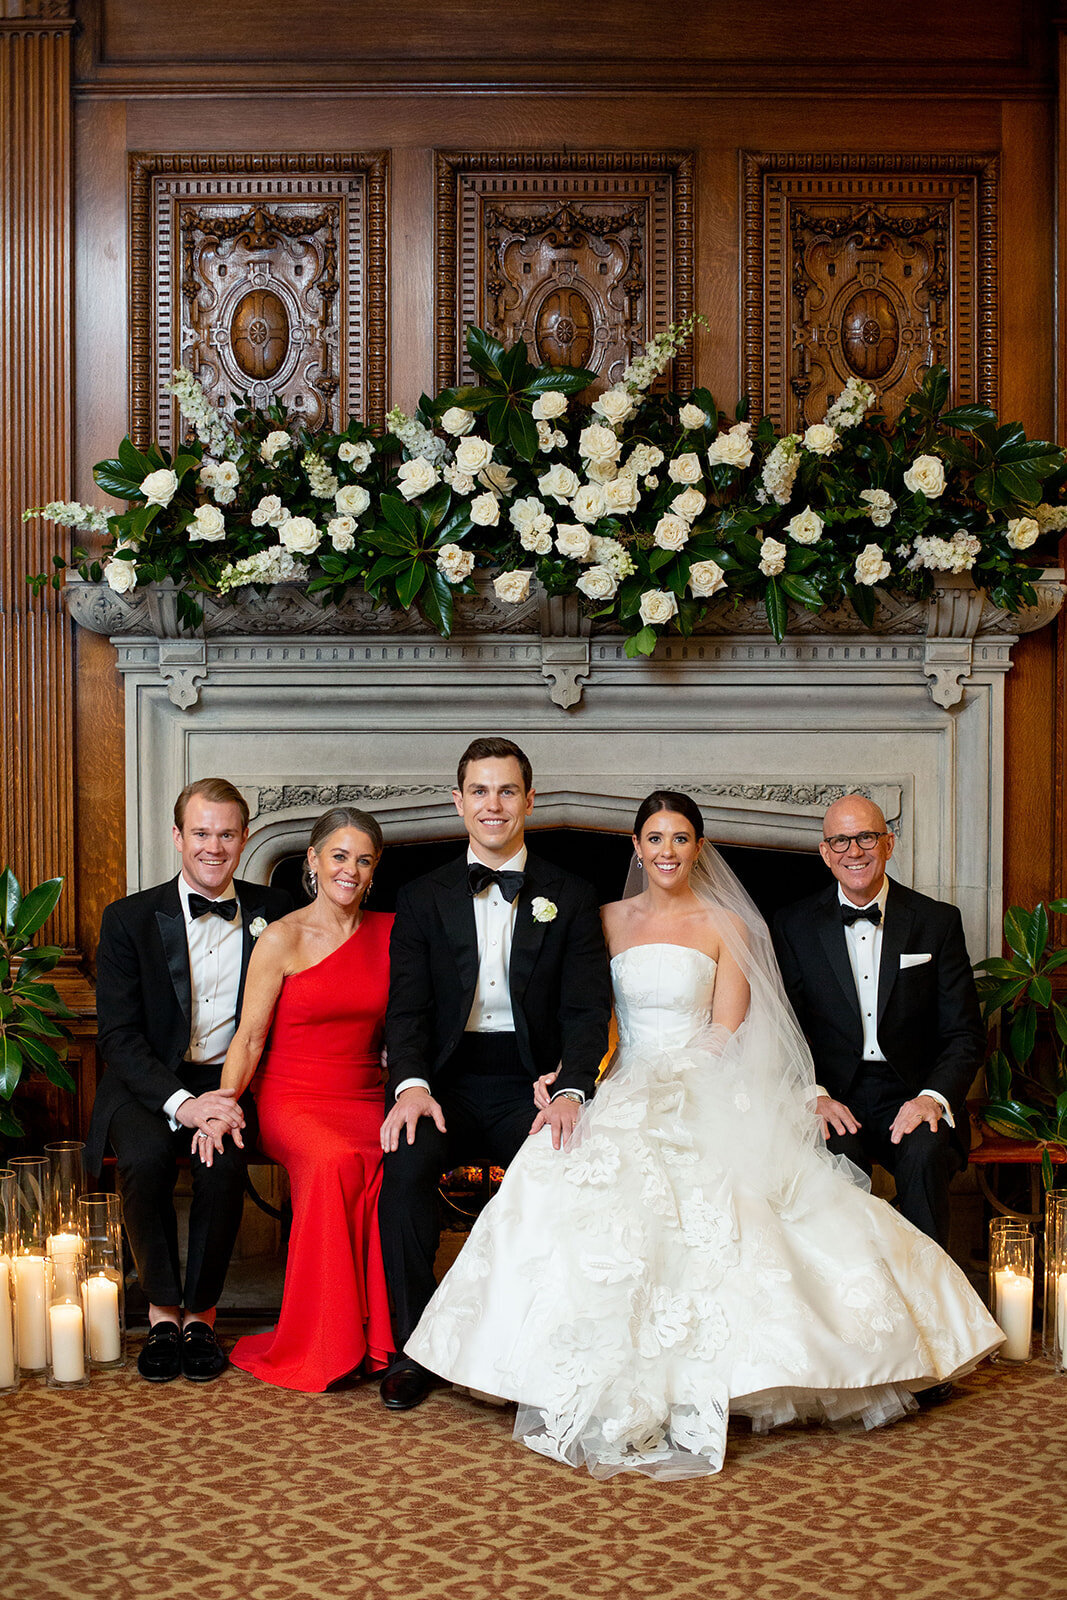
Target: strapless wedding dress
[{"x": 686, "y": 1259}]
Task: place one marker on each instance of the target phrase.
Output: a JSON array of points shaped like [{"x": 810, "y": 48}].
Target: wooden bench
[{"x": 995, "y": 1151}]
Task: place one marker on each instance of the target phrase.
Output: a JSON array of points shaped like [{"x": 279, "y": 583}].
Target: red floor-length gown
[{"x": 319, "y": 1094}]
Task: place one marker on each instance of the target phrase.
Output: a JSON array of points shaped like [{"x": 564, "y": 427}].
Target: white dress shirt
[{"x": 215, "y": 949}]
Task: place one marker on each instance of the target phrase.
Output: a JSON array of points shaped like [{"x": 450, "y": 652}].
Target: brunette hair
[
  {"x": 669, "y": 800},
  {"x": 493, "y": 749},
  {"x": 330, "y": 821},
  {"x": 220, "y": 791}
]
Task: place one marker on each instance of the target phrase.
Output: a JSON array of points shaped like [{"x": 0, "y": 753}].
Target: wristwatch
[{"x": 570, "y": 1094}]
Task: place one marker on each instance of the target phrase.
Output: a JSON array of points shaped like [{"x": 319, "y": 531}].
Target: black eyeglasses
[{"x": 867, "y": 840}]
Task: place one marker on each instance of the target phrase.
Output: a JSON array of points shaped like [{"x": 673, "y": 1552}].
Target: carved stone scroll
[
  {"x": 584, "y": 256},
  {"x": 872, "y": 267},
  {"x": 263, "y": 274}
]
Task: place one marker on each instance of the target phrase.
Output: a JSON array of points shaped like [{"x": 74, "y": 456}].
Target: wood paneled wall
[{"x": 833, "y": 77}]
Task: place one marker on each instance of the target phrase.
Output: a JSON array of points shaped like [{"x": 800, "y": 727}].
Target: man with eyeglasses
[{"x": 881, "y": 983}]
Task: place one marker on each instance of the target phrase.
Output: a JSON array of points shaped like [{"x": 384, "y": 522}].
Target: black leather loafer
[
  {"x": 160, "y": 1357},
  {"x": 202, "y": 1359},
  {"x": 936, "y": 1395},
  {"x": 407, "y": 1387}
]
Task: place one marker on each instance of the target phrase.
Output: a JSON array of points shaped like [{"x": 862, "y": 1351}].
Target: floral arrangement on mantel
[{"x": 645, "y": 505}]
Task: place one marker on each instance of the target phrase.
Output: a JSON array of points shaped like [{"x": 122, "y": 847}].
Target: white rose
[
  {"x": 598, "y": 443},
  {"x": 208, "y": 471},
  {"x": 622, "y": 494},
  {"x": 588, "y": 504},
  {"x": 689, "y": 504},
  {"x": 543, "y": 910},
  {"x": 598, "y": 583},
  {"x": 705, "y": 579},
  {"x": 456, "y": 564},
  {"x": 733, "y": 449},
  {"x": 685, "y": 468},
  {"x": 522, "y": 514},
  {"x": 882, "y": 506},
  {"x": 300, "y": 536},
  {"x": 773, "y": 557},
  {"x": 208, "y": 524},
  {"x": 573, "y": 540},
  {"x": 559, "y": 483},
  {"x": 121, "y": 575},
  {"x": 461, "y": 482},
  {"x": 513, "y": 586},
  {"x": 657, "y": 606},
  {"x": 806, "y": 527},
  {"x": 692, "y": 416},
  {"x": 257, "y": 926},
  {"x": 1022, "y": 531},
  {"x": 549, "y": 405},
  {"x": 352, "y": 500},
  {"x": 546, "y": 437},
  {"x": 926, "y": 475},
  {"x": 871, "y": 565},
  {"x": 342, "y": 531},
  {"x": 537, "y": 541},
  {"x": 357, "y": 455},
  {"x": 820, "y": 439},
  {"x": 267, "y": 508},
  {"x": 614, "y": 405},
  {"x": 225, "y": 497},
  {"x": 458, "y": 421},
  {"x": 273, "y": 445},
  {"x": 473, "y": 454},
  {"x": 159, "y": 488},
  {"x": 601, "y": 472},
  {"x": 496, "y": 476},
  {"x": 415, "y": 477},
  {"x": 227, "y": 475},
  {"x": 485, "y": 511},
  {"x": 671, "y": 533}
]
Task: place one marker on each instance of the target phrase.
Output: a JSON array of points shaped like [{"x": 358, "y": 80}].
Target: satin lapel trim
[
  {"x": 896, "y": 932},
  {"x": 832, "y": 935},
  {"x": 250, "y": 910},
  {"x": 528, "y": 935},
  {"x": 176, "y": 949},
  {"x": 456, "y": 910}
]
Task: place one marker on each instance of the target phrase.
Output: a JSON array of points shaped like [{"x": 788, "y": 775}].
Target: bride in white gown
[{"x": 695, "y": 1251}]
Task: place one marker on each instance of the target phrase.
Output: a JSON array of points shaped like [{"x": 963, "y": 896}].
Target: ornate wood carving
[
  {"x": 263, "y": 274},
  {"x": 866, "y": 266},
  {"x": 583, "y": 255}
]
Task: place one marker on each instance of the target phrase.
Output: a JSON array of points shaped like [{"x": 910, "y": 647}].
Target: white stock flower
[
  {"x": 454, "y": 563},
  {"x": 588, "y": 504},
  {"x": 772, "y": 559},
  {"x": 691, "y": 416},
  {"x": 598, "y": 583},
  {"x": 208, "y": 524},
  {"x": 352, "y": 500},
  {"x": 615, "y": 405},
  {"x": 342, "y": 531},
  {"x": 806, "y": 527},
  {"x": 1022, "y": 531},
  {"x": 611, "y": 553},
  {"x": 358, "y": 456},
  {"x": 597, "y": 443},
  {"x": 548, "y": 406},
  {"x": 300, "y": 536},
  {"x": 558, "y": 483},
  {"x": 574, "y": 540},
  {"x": 457, "y": 420},
  {"x": 415, "y": 477},
  {"x": 820, "y": 439},
  {"x": 275, "y": 565},
  {"x": 685, "y": 468},
  {"x": 733, "y": 449},
  {"x": 689, "y": 504},
  {"x": 513, "y": 586},
  {"x": 273, "y": 445},
  {"x": 671, "y": 533},
  {"x": 780, "y": 469},
  {"x": 621, "y": 495},
  {"x": 871, "y": 565},
  {"x": 657, "y": 606},
  {"x": 485, "y": 511},
  {"x": 882, "y": 505},
  {"x": 473, "y": 454},
  {"x": 957, "y": 554},
  {"x": 926, "y": 476},
  {"x": 160, "y": 487},
  {"x": 705, "y": 579},
  {"x": 121, "y": 575}
]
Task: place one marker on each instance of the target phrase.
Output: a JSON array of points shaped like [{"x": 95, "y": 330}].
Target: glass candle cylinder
[
  {"x": 100, "y": 1222},
  {"x": 1055, "y": 1327},
  {"x": 9, "y": 1370},
  {"x": 1011, "y": 1285},
  {"x": 30, "y": 1261},
  {"x": 66, "y": 1181},
  {"x": 68, "y": 1363}
]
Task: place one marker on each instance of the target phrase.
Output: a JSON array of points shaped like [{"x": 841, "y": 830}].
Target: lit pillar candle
[
  {"x": 32, "y": 1312},
  {"x": 102, "y": 1300},
  {"x": 1015, "y": 1313},
  {"x": 1061, "y": 1317},
  {"x": 68, "y": 1343},
  {"x": 7, "y": 1338},
  {"x": 64, "y": 1249}
]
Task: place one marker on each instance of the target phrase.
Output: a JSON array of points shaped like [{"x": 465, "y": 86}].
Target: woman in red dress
[{"x": 317, "y": 984}]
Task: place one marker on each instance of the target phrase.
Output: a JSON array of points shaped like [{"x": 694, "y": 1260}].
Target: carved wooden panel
[
  {"x": 262, "y": 274},
  {"x": 867, "y": 266},
  {"x": 583, "y": 255}
]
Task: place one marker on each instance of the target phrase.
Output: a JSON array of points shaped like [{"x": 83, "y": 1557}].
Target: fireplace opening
[{"x": 774, "y": 878}]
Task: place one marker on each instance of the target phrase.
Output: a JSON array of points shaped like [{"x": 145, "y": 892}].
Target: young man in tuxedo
[
  {"x": 171, "y": 967},
  {"x": 881, "y": 983},
  {"x": 499, "y": 975}
]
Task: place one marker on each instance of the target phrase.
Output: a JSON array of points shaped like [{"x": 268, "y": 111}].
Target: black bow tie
[
  {"x": 851, "y": 914},
  {"x": 480, "y": 877},
  {"x": 201, "y": 906}
]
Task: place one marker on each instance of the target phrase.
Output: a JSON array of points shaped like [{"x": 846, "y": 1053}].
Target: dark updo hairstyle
[
  {"x": 669, "y": 800},
  {"x": 330, "y": 821}
]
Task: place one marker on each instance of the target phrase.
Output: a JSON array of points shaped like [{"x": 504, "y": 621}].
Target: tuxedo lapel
[
  {"x": 171, "y": 924},
  {"x": 832, "y": 938},
  {"x": 252, "y": 906},
  {"x": 455, "y": 908},
  {"x": 896, "y": 933},
  {"x": 528, "y": 934}
]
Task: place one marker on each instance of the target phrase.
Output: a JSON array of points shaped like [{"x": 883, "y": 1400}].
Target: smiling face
[
  {"x": 344, "y": 867},
  {"x": 859, "y": 872},
  {"x": 494, "y": 805},
  {"x": 667, "y": 848},
  {"x": 210, "y": 839}
]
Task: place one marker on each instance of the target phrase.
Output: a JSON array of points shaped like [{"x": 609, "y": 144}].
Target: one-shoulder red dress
[{"x": 320, "y": 1100}]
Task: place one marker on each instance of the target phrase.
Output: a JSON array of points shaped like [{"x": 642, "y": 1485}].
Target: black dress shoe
[
  {"x": 202, "y": 1359},
  {"x": 936, "y": 1395},
  {"x": 407, "y": 1387},
  {"x": 160, "y": 1357}
]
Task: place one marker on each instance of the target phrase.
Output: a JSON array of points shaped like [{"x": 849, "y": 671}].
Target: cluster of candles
[
  {"x": 62, "y": 1305},
  {"x": 1011, "y": 1282}
]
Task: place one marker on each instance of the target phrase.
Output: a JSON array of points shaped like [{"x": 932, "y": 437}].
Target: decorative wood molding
[
  {"x": 873, "y": 266},
  {"x": 262, "y": 272},
  {"x": 584, "y": 254}
]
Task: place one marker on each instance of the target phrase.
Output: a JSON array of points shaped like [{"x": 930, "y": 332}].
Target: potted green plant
[
  {"x": 1026, "y": 1074},
  {"x": 30, "y": 1036}
]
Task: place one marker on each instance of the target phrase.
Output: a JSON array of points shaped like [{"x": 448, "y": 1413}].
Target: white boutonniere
[
  {"x": 257, "y": 926},
  {"x": 544, "y": 910}
]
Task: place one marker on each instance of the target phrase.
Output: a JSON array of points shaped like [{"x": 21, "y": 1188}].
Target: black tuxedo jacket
[
  {"x": 929, "y": 1023},
  {"x": 144, "y": 997},
  {"x": 558, "y": 978}
]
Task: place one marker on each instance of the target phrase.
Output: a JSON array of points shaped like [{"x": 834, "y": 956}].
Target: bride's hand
[{"x": 542, "y": 1090}]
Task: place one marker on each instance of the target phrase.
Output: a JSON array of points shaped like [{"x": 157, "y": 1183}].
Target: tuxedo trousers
[
  {"x": 486, "y": 1096},
  {"x": 922, "y": 1164},
  {"x": 146, "y": 1153}
]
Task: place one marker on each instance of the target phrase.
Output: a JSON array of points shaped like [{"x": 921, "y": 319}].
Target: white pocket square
[{"x": 914, "y": 961}]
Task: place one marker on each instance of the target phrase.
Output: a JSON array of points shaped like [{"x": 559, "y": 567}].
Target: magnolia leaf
[
  {"x": 1017, "y": 931},
  {"x": 522, "y": 430},
  {"x": 1059, "y": 1018},
  {"x": 1009, "y": 1118},
  {"x": 1023, "y": 1033},
  {"x": 777, "y": 610},
  {"x": 1040, "y": 990},
  {"x": 561, "y": 380},
  {"x": 10, "y": 1066},
  {"x": 134, "y": 464},
  {"x": 1001, "y": 967},
  {"x": 485, "y": 353},
  {"x": 436, "y": 601},
  {"x": 967, "y": 418},
  {"x": 802, "y": 590},
  {"x": 515, "y": 368},
  {"x": 409, "y": 583},
  {"x": 37, "y": 907},
  {"x": 998, "y": 1076},
  {"x": 10, "y": 899},
  {"x": 400, "y": 517}
]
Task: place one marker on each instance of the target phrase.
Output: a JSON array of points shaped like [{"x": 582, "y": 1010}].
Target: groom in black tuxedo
[
  {"x": 171, "y": 967},
  {"x": 881, "y": 983},
  {"x": 499, "y": 975}
]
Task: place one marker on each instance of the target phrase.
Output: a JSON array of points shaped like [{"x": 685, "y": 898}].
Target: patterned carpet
[{"x": 234, "y": 1491}]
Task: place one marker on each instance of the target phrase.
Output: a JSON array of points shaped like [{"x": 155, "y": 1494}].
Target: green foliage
[{"x": 28, "y": 1006}]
